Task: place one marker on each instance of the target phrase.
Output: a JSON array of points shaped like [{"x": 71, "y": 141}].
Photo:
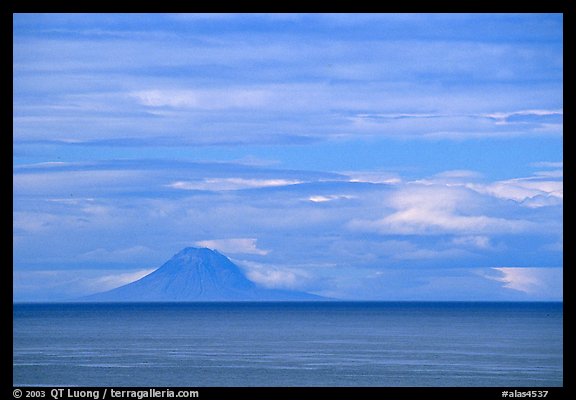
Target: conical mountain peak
[
  {"x": 196, "y": 251},
  {"x": 195, "y": 255},
  {"x": 198, "y": 274}
]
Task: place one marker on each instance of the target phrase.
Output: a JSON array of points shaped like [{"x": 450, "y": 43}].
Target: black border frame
[{"x": 566, "y": 7}]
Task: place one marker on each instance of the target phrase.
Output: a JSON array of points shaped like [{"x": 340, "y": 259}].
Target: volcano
[{"x": 197, "y": 274}]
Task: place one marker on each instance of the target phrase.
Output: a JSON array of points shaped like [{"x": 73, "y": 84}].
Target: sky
[{"x": 356, "y": 156}]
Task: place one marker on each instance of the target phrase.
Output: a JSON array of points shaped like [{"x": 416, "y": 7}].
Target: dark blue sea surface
[{"x": 289, "y": 344}]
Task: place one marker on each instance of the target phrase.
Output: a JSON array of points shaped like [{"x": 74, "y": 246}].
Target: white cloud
[
  {"x": 453, "y": 177},
  {"x": 112, "y": 281},
  {"x": 231, "y": 183},
  {"x": 523, "y": 190},
  {"x": 438, "y": 209},
  {"x": 458, "y": 124},
  {"x": 331, "y": 197},
  {"x": 422, "y": 221},
  {"x": 373, "y": 177},
  {"x": 234, "y": 246},
  {"x": 214, "y": 99},
  {"x": 542, "y": 282},
  {"x": 502, "y": 118},
  {"x": 544, "y": 188},
  {"x": 274, "y": 277},
  {"x": 72, "y": 201}
]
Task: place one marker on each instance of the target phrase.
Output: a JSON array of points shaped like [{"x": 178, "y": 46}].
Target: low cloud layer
[{"x": 448, "y": 220}]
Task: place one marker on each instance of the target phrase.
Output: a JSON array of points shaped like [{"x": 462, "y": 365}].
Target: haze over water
[{"x": 289, "y": 344}]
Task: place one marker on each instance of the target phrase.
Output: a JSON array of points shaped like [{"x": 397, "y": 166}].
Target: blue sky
[{"x": 358, "y": 156}]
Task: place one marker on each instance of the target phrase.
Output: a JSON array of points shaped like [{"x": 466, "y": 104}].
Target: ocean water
[{"x": 289, "y": 344}]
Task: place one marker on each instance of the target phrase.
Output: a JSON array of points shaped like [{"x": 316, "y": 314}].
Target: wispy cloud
[
  {"x": 330, "y": 197},
  {"x": 230, "y": 184},
  {"x": 531, "y": 192},
  {"x": 112, "y": 281},
  {"x": 53, "y": 285},
  {"x": 462, "y": 125},
  {"x": 503, "y": 118},
  {"x": 543, "y": 188},
  {"x": 480, "y": 242},
  {"x": 540, "y": 282},
  {"x": 135, "y": 253},
  {"x": 203, "y": 99},
  {"x": 549, "y": 164},
  {"x": 233, "y": 246},
  {"x": 373, "y": 177},
  {"x": 422, "y": 210},
  {"x": 271, "y": 276}
]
